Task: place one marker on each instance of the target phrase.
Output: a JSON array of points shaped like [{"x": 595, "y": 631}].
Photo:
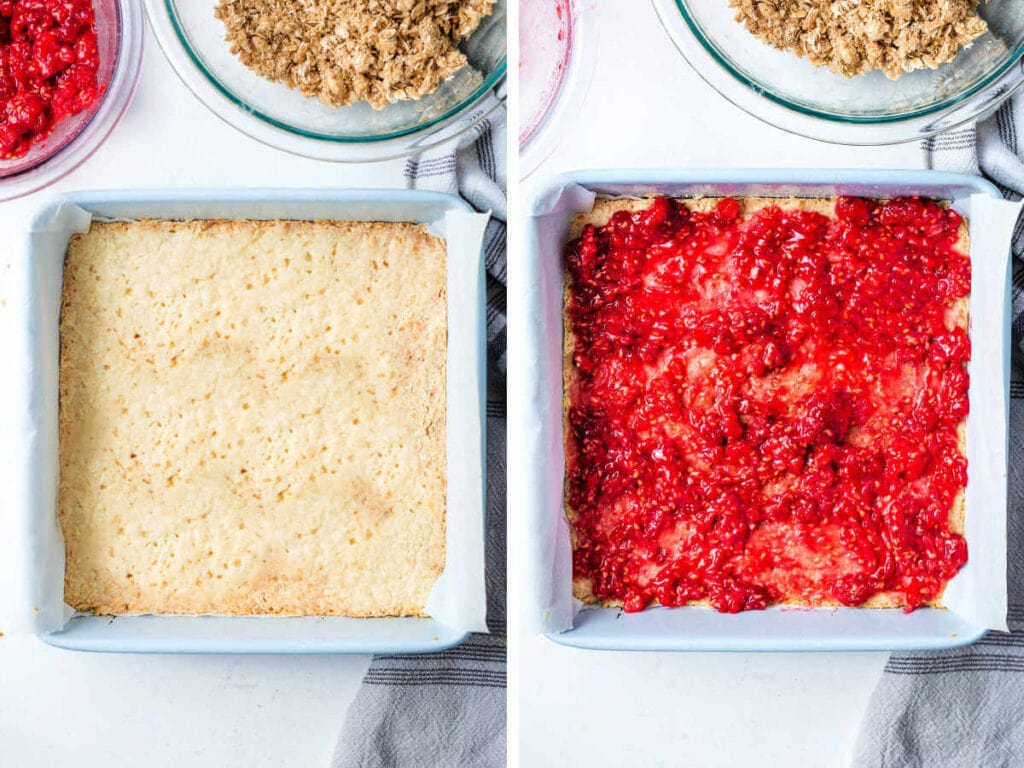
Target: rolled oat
[
  {"x": 345, "y": 51},
  {"x": 852, "y": 37}
]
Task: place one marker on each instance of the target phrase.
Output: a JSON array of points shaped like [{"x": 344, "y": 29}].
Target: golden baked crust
[
  {"x": 252, "y": 418},
  {"x": 602, "y": 210}
]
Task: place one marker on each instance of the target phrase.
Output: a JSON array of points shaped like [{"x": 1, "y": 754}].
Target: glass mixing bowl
[
  {"x": 192, "y": 38},
  {"x": 119, "y": 35},
  {"x": 557, "y": 51},
  {"x": 792, "y": 94}
]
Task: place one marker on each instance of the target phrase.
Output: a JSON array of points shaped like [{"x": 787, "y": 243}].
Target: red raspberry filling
[
  {"x": 49, "y": 62},
  {"x": 768, "y": 408}
]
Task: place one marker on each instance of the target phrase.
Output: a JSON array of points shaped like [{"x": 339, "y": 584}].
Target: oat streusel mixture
[
  {"x": 344, "y": 51},
  {"x": 852, "y": 37}
]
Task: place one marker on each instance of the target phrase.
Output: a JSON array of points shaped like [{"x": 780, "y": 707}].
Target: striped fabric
[
  {"x": 965, "y": 707},
  {"x": 448, "y": 709}
]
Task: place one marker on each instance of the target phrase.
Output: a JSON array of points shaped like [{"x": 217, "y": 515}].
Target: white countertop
[
  {"x": 646, "y": 107},
  {"x": 60, "y": 708}
]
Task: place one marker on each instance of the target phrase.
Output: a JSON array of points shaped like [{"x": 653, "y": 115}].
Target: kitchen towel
[
  {"x": 965, "y": 707},
  {"x": 448, "y": 709}
]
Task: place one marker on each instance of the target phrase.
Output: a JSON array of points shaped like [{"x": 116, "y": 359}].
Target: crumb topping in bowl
[
  {"x": 852, "y": 37},
  {"x": 346, "y": 51}
]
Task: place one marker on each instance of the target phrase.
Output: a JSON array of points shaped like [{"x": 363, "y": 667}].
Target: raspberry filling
[
  {"x": 768, "y": 408},
  {"x": 49, "y": 62}
]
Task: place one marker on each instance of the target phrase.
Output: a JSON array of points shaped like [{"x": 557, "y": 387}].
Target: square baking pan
[
  {"x": 36, "y": 350},
  {"x": 538, "y": 462}
]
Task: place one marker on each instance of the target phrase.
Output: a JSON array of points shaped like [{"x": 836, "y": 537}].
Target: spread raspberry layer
[{"x": 768, "y": 408}]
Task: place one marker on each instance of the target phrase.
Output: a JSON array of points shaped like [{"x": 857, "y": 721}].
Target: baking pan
[
  {"x": 976, "y": 596},
  {"x": 29, "y": 436}
]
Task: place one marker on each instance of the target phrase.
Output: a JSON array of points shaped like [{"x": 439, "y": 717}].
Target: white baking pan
[
  {"x": 29, "y": 346},
  {"x": 976, "y": 596}
]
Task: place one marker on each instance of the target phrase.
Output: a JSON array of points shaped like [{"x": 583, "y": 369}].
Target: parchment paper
[
  {"x": 32, "y": 549},
  {"x": 977, "y": 593}
]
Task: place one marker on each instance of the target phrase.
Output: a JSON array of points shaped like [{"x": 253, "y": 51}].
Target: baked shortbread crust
[{"x": 252, "y": 418}]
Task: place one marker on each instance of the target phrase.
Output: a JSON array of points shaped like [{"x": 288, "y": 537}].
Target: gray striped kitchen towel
[
  {"x": 964, "y": 708},
  {"x": 447, "y": 709}
]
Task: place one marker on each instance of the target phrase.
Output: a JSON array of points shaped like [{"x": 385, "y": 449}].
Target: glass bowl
[
  {"x": 792, "y": 94},
  {"x": 192, "y": 38},
  {"x": 557, "y": 51},
  {"x": 119, "y": 35}
]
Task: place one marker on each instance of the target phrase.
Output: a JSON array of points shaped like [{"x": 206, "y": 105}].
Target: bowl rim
[
  {"x": 486, "y": 86},
  {"x": 936, "y": 108},
  {"x": 573, "y": 87}
]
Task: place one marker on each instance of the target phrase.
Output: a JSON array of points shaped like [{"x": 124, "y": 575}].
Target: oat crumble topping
[
  {"x": 345, "y": 51},
  {"x": 852, "y": 37}
]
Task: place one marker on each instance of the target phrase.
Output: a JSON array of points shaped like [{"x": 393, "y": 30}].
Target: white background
[
  {"x": 646, "y": 108},
  {"x": 57, "y": 708},
  {"x": 61, "y": 708}
]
